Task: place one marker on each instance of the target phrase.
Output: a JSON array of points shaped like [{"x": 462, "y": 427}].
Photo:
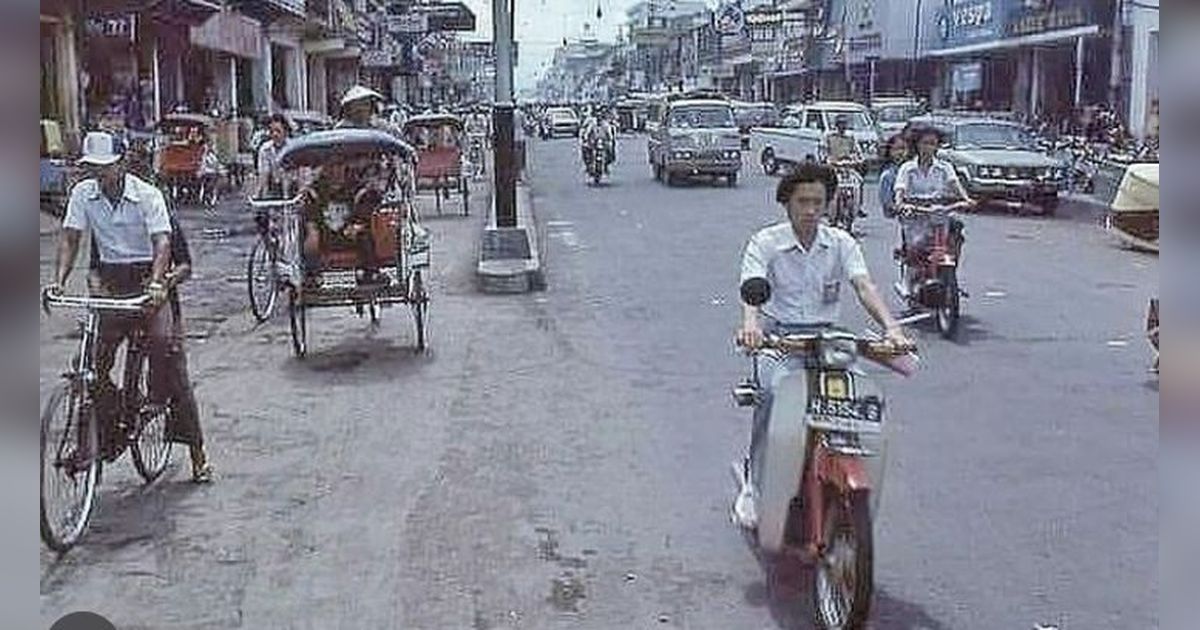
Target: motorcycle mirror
[{"x": 756, "y": 291}]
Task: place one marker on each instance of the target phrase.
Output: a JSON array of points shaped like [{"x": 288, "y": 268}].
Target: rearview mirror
[{"x": 756, "y": 291}]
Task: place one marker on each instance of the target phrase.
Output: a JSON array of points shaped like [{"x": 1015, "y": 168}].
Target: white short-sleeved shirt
[
  {"x": 939, "y": 180},
  {"x": 806, "y": 286},
  {"x": 122, "y": 233}
]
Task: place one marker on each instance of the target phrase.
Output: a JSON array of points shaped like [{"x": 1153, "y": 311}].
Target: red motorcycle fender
[{"x": 843, "y": 474}]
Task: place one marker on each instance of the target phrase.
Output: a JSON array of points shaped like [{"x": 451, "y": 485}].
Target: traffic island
[{"x": 509, "y": 257}]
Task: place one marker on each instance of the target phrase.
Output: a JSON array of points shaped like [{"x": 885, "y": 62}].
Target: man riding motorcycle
[
  {"x": 922, "y": 180},
  {"x": 806, "y": 263},
  {"x": 598, "y": 131},
  {"x": 845, "y": 155}
]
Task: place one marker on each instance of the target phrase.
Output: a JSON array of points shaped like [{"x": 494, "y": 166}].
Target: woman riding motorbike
[{"x": 925, "y": 180}]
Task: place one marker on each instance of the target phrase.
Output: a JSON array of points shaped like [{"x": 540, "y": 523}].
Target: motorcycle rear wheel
[{"x": 844, "y": 580}]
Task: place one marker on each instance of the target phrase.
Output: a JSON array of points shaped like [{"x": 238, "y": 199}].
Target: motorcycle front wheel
[
  {"x": 948, "y": 310},
  {"x": 844, "y": 581}
]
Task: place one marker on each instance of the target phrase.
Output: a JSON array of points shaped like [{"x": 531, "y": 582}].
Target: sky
[{"x": 541, "y": 25}]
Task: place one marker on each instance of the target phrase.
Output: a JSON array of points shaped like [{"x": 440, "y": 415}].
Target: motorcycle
[
  {"x": 928, "y": 270},
  {"x": 846, "y": 203},
  {"x": 823, "y": 461},
  {"x": 596, "y": 159}
]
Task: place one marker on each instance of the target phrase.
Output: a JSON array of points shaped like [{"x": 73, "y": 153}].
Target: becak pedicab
[
  {"x": 438, "y": 139},
  {"x": 187, "y": 164},
  {"x": 352, "y": 237}
]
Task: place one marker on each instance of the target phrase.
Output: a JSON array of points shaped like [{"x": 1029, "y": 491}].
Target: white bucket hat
[
  {"x": 101, "y": 148},
  {"x": 360, "y": 92}
]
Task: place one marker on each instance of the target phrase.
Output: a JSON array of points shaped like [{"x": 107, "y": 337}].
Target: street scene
[{"x": 645, "y": 314}]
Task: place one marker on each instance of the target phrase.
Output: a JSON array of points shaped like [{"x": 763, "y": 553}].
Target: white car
[
  {"x": 561, "y": 121},
  {"x": 780, "y": 147},
  {"x": 821, "y": 116}
]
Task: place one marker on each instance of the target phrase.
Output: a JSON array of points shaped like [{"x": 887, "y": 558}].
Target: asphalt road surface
[{"x": 560, "y": 459}]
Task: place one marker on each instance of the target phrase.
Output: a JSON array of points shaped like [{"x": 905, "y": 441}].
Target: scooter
[
  {"x": 823, "y": 461},
  {"x": 928, "y": 274}
]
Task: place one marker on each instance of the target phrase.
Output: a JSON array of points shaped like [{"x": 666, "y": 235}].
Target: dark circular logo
[{"x": 83, "y": 621}]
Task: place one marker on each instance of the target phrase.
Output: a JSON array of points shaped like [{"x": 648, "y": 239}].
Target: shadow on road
[
  {"x": 789, "y": 601},
  {"x": 359, "y": 356},
  {"x": 129, "y": 514}
]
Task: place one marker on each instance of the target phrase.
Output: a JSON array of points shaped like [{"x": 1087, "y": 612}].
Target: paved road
[{"x": 561, "y": 459}]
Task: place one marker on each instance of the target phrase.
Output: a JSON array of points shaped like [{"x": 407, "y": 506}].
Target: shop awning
[
  {"x": 187, "y": 12},
  {"x": 1017, "y": 42},
  {"x": 231, "y": 33}
]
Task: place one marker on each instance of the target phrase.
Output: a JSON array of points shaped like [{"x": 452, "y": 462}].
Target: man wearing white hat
[
  {"x": 130, "y": 229},
  {"x": 359, "y": 109}
]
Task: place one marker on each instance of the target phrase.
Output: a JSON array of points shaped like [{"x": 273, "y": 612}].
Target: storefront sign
[
  {"x": 448, "y": 16},
  {"x": 375, "y": 58},
  {"x": 231, "y": 33},
  {"x": 729, "y": 20},
  {"x": 767, "y": 17},
  {"x": 408, "y": 24},
  {"x": 861, "y": 43},
  {"x": 1043, "y": 16},
  {"x": 115, "y": 26}
]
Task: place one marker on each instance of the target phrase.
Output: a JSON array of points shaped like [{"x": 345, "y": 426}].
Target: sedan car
[
  {"x": 999, "y": 160},
  {"x": 561, "y": 121}
]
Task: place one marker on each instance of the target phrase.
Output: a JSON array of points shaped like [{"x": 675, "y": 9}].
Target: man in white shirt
[
  {"x": 271, "y": 179},
  {"x": 130, "y": 229},
  {"x": 807, "y": 263}
]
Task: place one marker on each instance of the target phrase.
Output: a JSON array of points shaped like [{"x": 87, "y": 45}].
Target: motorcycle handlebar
[{"x": 875, "y": 349}]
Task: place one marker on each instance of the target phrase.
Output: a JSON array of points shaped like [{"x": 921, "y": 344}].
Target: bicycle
[
  {"x": 74, "y": 447},
  {"x": 265, "y": 277}
]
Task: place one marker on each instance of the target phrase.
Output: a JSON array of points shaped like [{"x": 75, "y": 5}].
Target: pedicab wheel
[
  {"x": 261, "y": 283},
  {"x": 70, "y": 466},
  {"x": 420, "y": 308},
  {"x": 843, "y": 584},
  {"x": 150, "y": 448},
  {"x": 298, "y": 319},
  {"x": 948, "y": 311},
  {"x": 466, "y": 195}
]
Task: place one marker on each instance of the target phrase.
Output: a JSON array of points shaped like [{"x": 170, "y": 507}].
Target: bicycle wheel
[
  {"x": 70, "y": 465},
  {"x": 261, "y": 283},
  {"x": 420, "y": 308},
  {"x": 150, "y": 447}
]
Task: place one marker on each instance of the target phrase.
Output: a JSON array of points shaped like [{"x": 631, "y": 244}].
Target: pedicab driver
[{"x": 807, "y": 264}]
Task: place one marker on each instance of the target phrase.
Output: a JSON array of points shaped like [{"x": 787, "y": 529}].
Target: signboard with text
[
  {"x": 408, "y": 23},
  {"x": 964, "y": 22},
  {"x": 115, "y": 26}
]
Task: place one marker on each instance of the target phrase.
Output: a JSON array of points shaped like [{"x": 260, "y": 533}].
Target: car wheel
[{"x": 1049, "y": 205}]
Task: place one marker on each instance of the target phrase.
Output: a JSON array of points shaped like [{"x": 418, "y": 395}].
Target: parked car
[
  {"x": 891, "y": 114},
  {"x": 779, "y": 147},
  {"x": 697, "y": 135},
  {"x": 999, "y": 161},
  {"x": 753, "y": 116},
  {"x": 561, "y": 121},
  {"x": 821, "y": 115}
]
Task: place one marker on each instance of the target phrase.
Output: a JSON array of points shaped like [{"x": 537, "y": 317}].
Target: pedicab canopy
[
  {"x": 1138, "y": 190},
  {"x": 335, "y": 145}
]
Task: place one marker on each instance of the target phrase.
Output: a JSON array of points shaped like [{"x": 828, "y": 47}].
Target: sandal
[{"x": 202, "y": 470}]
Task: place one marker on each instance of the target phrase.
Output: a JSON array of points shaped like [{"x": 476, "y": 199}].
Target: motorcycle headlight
[{"x": 839, "y": 354}]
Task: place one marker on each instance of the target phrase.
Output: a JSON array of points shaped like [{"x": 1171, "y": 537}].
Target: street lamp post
[{"x": 505, "y": 181}]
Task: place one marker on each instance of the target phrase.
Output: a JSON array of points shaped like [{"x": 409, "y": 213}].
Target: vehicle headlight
[
  {"x": 682, "y": 155},
  {"x": 733, "y": 155},
  {"x": 839, "y": 354}
]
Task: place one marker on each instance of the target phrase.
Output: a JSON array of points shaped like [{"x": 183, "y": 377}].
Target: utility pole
[
  {"x": 505, "y": 184},
  {"x": 1118, "y": 42}
]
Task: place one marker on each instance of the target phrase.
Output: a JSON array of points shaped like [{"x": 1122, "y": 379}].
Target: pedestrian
[{"x": 895, "y": 153}]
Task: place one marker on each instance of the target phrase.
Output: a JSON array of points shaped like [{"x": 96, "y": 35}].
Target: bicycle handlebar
[{"x": 101, "y": 304}]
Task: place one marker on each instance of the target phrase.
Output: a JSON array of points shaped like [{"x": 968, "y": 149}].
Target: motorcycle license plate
[{"x": 862, "y": 415}]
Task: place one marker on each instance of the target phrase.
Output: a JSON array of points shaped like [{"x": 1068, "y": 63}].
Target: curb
[{"x": 510, "y": 259}]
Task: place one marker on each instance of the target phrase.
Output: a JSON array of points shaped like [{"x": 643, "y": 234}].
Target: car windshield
[
  {"x": 897, "y": 113},
  {"x": 990, "y": 136},
  {"x": 562, "y": 115},
  {"x": 755, "y": 114},
  {"x": 702, "y": 117},
  {"x": 855, "y": 121}
]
